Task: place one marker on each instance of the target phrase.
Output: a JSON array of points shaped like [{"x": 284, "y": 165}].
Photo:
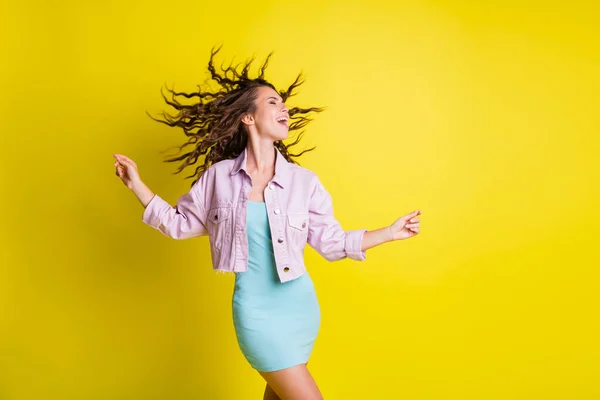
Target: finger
[
  {"x": 415, "y": 220},
  {"x": 128, "y": 159},
  {"x": 415, "y": 230},
  {"x": 126, "y": 163},
  {"x": 122, "y": 169},
  {"x": 416, "y": 225},
  {"x": 120, "y": 157},
  {"x": 412, "y": 214}
]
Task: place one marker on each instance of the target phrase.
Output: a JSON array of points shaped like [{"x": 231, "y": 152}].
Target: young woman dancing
[{"x": 259, "y": 209}]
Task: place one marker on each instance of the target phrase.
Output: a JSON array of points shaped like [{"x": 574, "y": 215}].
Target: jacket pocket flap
[
  {"x": 218, "y": 215},
  {"x": 298, "y": 221}
]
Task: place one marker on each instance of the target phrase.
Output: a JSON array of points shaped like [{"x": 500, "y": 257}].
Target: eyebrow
[{"x": 274, "y": 98}]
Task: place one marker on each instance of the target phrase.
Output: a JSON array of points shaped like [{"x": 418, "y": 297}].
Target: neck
[{"x": 261, "y": 157}]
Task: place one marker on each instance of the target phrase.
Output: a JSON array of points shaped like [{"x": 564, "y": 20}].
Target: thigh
[
  {"x": 294, "y": 383},
  {"x": 270, "y": 393}
]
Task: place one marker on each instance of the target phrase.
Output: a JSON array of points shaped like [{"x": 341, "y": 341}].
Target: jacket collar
[{"x": 281, "y": 166}]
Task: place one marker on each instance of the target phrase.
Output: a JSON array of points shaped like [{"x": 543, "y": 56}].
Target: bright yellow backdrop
[{"x": 484, "y": 115}]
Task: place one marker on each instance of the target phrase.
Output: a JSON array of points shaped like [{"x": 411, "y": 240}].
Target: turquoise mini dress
[{"x": 276, "y": 323}]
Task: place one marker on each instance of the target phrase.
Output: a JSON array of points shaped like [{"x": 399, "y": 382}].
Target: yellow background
[{"x": 484, "y": 115}]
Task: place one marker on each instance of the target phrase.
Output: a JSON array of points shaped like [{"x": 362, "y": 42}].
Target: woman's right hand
[{"x": 126, "y": 169}]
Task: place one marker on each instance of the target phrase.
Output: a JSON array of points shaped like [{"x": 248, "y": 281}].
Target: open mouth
[{"x": 283, "y": 121}]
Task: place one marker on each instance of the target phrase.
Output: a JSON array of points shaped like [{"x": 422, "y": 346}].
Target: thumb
[{"x": 412, "y": 214}]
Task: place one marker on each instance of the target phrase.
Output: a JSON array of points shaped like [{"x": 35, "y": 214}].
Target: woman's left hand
[{"x": 406, "y": 227}]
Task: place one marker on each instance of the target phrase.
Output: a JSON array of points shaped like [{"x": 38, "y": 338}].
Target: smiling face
[{"x": 270, "y": 116}]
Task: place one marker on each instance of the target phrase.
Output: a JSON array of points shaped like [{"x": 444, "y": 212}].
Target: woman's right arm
[{"x": 186, "y": 220}]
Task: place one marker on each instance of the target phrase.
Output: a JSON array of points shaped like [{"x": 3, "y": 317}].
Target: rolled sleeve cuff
[
  {"x": 354, "y": 243},
  {"x": 151, "y": 215}
]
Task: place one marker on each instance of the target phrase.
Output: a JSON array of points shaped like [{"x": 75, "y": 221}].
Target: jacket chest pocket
[
  {"x": 219, "y": 225},
  {"x": 297, "y": 227}
]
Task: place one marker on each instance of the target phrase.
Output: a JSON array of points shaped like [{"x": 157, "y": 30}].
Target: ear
[{"x": 248, "y": 119}]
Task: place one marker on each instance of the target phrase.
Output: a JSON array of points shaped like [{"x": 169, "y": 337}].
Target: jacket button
[
  {"x": 277, "y": 211},
  {"x": 216, "y": 217},
  {"x": 286, "y": 269},
  {"x": 304, "y": 225},
  {"x": 280, "y": 240}
]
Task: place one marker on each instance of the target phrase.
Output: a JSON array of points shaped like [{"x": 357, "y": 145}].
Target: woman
[{"x": 259, "y": 209}]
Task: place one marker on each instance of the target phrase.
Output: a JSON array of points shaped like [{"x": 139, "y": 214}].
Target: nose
[{"x": 285, "y": 109}]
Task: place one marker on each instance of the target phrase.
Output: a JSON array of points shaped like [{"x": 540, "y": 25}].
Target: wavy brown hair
[{"x": 213, "y": 122}]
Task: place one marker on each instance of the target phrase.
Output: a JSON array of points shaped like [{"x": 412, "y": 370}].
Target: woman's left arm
[{"x": 403, "y": 228}]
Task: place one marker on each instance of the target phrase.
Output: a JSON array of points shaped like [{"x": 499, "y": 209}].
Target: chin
[{"x": 281, "y": 136}]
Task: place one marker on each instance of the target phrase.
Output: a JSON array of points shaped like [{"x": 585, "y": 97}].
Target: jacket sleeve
[
  {"x": 186, "y": 220},
  {"x": 325, "y": 233}
]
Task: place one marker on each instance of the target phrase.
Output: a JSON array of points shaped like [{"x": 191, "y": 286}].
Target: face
[{"x": 271, "y": 116}]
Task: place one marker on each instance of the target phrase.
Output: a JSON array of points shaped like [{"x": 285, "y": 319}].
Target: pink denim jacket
[{"x": 299, "y": 209}]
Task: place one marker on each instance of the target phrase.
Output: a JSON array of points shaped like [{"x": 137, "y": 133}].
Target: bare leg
[
  {"x": 270, "y": 394},
  {"x": 294, "y": 383}
]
